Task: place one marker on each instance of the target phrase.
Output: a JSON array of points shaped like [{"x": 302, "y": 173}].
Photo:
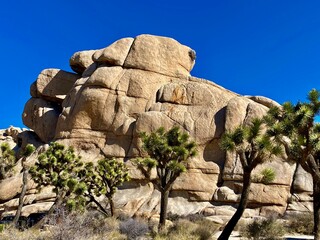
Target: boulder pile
[{"x": 140, "y": 84}]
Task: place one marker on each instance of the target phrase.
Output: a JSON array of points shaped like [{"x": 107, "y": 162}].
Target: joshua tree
[
  {"x": 7, "y": 160},
  {"x": 25, "y": 170},
  {"x": 111, "y": 174},
  {"x": 253, "y": 147},
  {"x": 168, "y": 153},
  {"x": 57, "y": 167},
  {"x": 102, "y": 179},
  {"x": 296, "y": 128}
]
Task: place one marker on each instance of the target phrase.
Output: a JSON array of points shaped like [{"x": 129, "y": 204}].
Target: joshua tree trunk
[
  {"x": 163, "y": 210},
  {"x": 22, "y": 195},
  {"x": 316, "y": 208},
  {"x": 92, "y": 199},
  {"x": 242, "y": 206},
  {"x": 111, "y": 206},
  {"x": 2, "y": 173},
  {"x": 58, "y": 202}
]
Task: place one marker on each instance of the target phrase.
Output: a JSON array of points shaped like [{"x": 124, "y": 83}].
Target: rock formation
[{"x": 140, "y": 84}]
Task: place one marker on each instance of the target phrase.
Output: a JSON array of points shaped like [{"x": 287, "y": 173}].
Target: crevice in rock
[
  {"x": 131, "y": 46},
  {"x": 180, "y": 77}
]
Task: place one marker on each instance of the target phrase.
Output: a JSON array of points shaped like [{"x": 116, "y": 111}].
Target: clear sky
[{"x": 257, "y": 47}]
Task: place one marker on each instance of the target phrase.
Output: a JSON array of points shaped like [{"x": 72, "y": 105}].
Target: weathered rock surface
[
  {"x": 41, "y": 116},
  {"x": 140, "y": 84},
  {"x": 53, "y": 84},
  {"x": 80, "y": 61},
  {"x": 161, "y": 55},
  {"x": 115, "y": 54}
]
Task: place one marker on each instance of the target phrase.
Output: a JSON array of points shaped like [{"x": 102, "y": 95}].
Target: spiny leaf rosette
[{"x": 7, "y": 160}]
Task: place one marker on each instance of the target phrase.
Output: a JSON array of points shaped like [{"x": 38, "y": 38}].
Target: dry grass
[
  {"x": 134, "y": 228},
  {"x": 93, "y": 225},
  {"x": 14, "y": 234},
  {"x": 268, "y": 229},
  {"x": 301, "y": 224},
  {"x": 184, "y": 229}
]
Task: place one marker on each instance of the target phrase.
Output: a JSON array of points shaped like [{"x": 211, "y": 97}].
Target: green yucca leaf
[
  {"x": 149, "y": 162},
  {"x": 176, "y": 167},
  {"x": 227, "y": 143},
  {"x": 4, "y": 147},
  {"x": 273, "y": 113},
  {"x": 276, "y": 150},
  {"x": 253, "y": 130},
  {"x": 316, "y": 128},
  {"x": 29, "y": 149},
  {"x": 237, "y": 136},
  {"x": 313, "y": 96},
  {"x": 288, "y": 107},
  {"x": 268, "y": 175}
]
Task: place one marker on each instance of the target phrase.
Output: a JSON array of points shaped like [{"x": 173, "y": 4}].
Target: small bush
[
  {"x": 87, "y": 225},
  {"x": 184, "y": 229},
  {"x": 195, "y": 217},
  {"x": 203, "y": 233},
  {"x": 2, "y": 226},
  {"x": 205, "y": 229},
  {"x": 268, "y": 229},
  {"x": 266, "y": 176},
  {"x": 301, "y": 223},
  {"x": 173, "y": 217},
  {"x": 133, "y": 228},
  {"x": 181, "y": 230}
]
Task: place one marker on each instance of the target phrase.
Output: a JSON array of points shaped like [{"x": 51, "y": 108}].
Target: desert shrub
[
  {"x": 301, "y": 223},
  {"x": 268, "y": 229},
  {"x": 173, "y": 217},
  {"x": 205, "y": 228},
  {"x": 123, "y": 216},
  {"x": 193, "y": 227},
  {"x": 184, "y": 225},
  {"x": 87, "y": 225},
  {"x": 183, "y": 229},
  {"x": 195, "y": 217},
  {"x": 2, "y": 226},
  {"x": 91, "y": 225},
  {"x": 134, "y": 228},
  {"x": 203, "y": 233}
]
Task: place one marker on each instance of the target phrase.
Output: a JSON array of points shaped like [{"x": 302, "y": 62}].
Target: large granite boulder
[{"x": 140, "y": 84}]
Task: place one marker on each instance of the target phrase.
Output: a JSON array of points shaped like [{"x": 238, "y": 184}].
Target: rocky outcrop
[{"x": 140, "y": 84}]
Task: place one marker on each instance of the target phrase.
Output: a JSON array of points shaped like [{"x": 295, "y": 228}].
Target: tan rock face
[
  {"x": 54, "y": 84},
  {"x": 161, "y": 55},
  {"x": 140, "y": 84},
  {"x": 10, "y": 187},
  {"x": 80, "y": 61},
  {"x": 41, "y": 116},
  {"x": 115, "y": 54},
  {"x": 302, "y": 181}
]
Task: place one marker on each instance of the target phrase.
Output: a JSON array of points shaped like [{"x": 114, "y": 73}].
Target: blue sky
[{"x": 269, "y": 48}]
